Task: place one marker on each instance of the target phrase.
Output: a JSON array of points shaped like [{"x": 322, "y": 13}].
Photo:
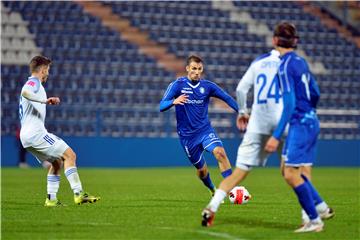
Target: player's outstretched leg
[
  {"x": 225, "y": 186},
  {"x": 72, "y": 176}
]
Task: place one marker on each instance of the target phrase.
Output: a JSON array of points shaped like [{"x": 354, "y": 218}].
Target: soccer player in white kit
[
  {"x": 265, "y": 114},
  {"x": 42, "y": 144}
]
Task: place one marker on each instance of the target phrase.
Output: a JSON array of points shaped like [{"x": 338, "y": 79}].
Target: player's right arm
[
  {"x": 168, "y": 99},
  {"x": 30, "y": 89},
  {"x": 242, "y": 90}
]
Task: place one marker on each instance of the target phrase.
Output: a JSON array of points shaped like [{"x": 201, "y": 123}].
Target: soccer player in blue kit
[
  {"x": 300, "y": 96},
  {"x": 190, "y": 95}
]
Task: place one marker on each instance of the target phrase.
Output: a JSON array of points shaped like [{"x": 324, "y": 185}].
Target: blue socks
[
  {"x": 305, "y": 198},
  {"x": 207, "y": 182},
  {"x": 226, "y": 173},
  {"x": 315, "y": 195}
]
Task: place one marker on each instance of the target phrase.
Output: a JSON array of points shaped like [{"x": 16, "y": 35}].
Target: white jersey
[
  {"x": 32, "y": 114},
  {"x": 268, "y": 104}
]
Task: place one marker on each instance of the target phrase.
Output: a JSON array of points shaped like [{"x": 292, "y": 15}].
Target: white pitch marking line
[{"x": 210, "y": 233}]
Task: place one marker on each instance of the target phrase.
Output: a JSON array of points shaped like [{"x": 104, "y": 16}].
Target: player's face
[
  {"x": 194, "y": 71},
  {"x": 45, "y": 73}
]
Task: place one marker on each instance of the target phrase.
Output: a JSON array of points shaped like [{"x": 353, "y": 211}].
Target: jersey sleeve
[
  {"x": 286, "y": 83},
  {"x": 217, "y": 92},
  {"x": 243, "y": 88},
  {"x": 168, "y": 98},
  {"x": 32, "y": 85}
]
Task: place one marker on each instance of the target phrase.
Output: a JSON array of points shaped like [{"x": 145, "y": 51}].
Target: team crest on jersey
[{"x": 202, "y": 90}]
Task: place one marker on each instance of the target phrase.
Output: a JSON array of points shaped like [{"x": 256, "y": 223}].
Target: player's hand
[
  {"x": 181, "y": 99},
  {"x": 271, "y": 145},
  {"x": 53, "y": 101},
  {"x": 242, "y": 121}
]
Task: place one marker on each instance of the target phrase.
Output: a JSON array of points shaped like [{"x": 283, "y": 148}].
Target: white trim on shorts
[
  {"x": 199, "y": 159},
  {"x": 212, "y": 143},
  {"x": 298, "y": 165}
]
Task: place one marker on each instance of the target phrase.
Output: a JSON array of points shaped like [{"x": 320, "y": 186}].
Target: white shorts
[
  {"x": 251, "y": 150},
  {"x": 50, "y": 148}
]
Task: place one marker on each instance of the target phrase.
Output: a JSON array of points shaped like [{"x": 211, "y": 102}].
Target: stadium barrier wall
[{"x": 167, "y": 152}]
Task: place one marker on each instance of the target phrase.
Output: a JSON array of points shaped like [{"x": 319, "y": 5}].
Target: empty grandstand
[{"x": 111, "y": 82}]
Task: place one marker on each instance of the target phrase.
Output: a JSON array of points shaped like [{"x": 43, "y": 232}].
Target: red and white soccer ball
[{"x": 239, "y": 195}]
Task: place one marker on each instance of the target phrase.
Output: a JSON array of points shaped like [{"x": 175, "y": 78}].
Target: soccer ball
[{"x": 239, "y": 195}]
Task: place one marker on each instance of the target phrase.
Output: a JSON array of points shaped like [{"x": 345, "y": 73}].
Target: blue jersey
[
  {"x": 299, "y": 88},
  {"x": 192, "y": 117}
]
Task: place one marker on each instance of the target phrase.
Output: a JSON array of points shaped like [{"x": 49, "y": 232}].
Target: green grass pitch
[{"x": 165, "y": 203}]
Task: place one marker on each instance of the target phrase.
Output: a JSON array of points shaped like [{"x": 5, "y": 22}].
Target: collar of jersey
[
  {"x": 188, "y": 83},
  {"x": 286, "y": 55}
]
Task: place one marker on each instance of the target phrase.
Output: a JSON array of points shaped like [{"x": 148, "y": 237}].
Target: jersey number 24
[{"x": 273, "y": 92}]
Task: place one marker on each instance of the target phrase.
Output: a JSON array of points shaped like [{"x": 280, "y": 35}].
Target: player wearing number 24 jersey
[{"x": 265, "y": 114}]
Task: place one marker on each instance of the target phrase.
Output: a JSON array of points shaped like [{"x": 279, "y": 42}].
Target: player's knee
[
  {"x": 70, "y": 155},
  {"x": 289, "y": 177},
  {"x": 219, "y": 153}
]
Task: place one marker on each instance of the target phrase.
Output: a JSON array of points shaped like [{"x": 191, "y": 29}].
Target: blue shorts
[
  {"x": 195, "y": 145},
  {"x": 300, "y": 145}
]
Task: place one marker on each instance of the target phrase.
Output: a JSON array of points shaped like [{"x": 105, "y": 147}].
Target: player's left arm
[
  {"x": 314, "y": 91},
  {"x": 221, "y": 94},
  {"x": 286, "y": 83}
]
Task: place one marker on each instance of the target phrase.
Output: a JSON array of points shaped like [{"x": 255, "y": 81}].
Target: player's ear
[
  {"x": 187, "y": 68},
  {"x": 275, "y": 41}
]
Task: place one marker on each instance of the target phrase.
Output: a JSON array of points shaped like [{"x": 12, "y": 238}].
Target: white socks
[
  {"x": 74, "y": 179},
  {"x": 216, "y": 200},
  {"x": 53, "y": 184},
  {"x": 320, "y": 208}
]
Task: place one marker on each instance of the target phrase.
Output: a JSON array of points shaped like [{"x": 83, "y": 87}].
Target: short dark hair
[
  {"x": 287, "y": 35},
  {"x": 193, "y": 58},
  {"x": 37, "y": 62}
]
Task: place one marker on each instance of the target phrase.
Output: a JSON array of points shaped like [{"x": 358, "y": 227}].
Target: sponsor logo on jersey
[
  {"x": 202, "y": 90},
  {"x": 31, "y": 83},
  {"x": 194, "y": 101},
  {"x": 212, "y": 135},
  {"x": 186, "y": 91}
]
